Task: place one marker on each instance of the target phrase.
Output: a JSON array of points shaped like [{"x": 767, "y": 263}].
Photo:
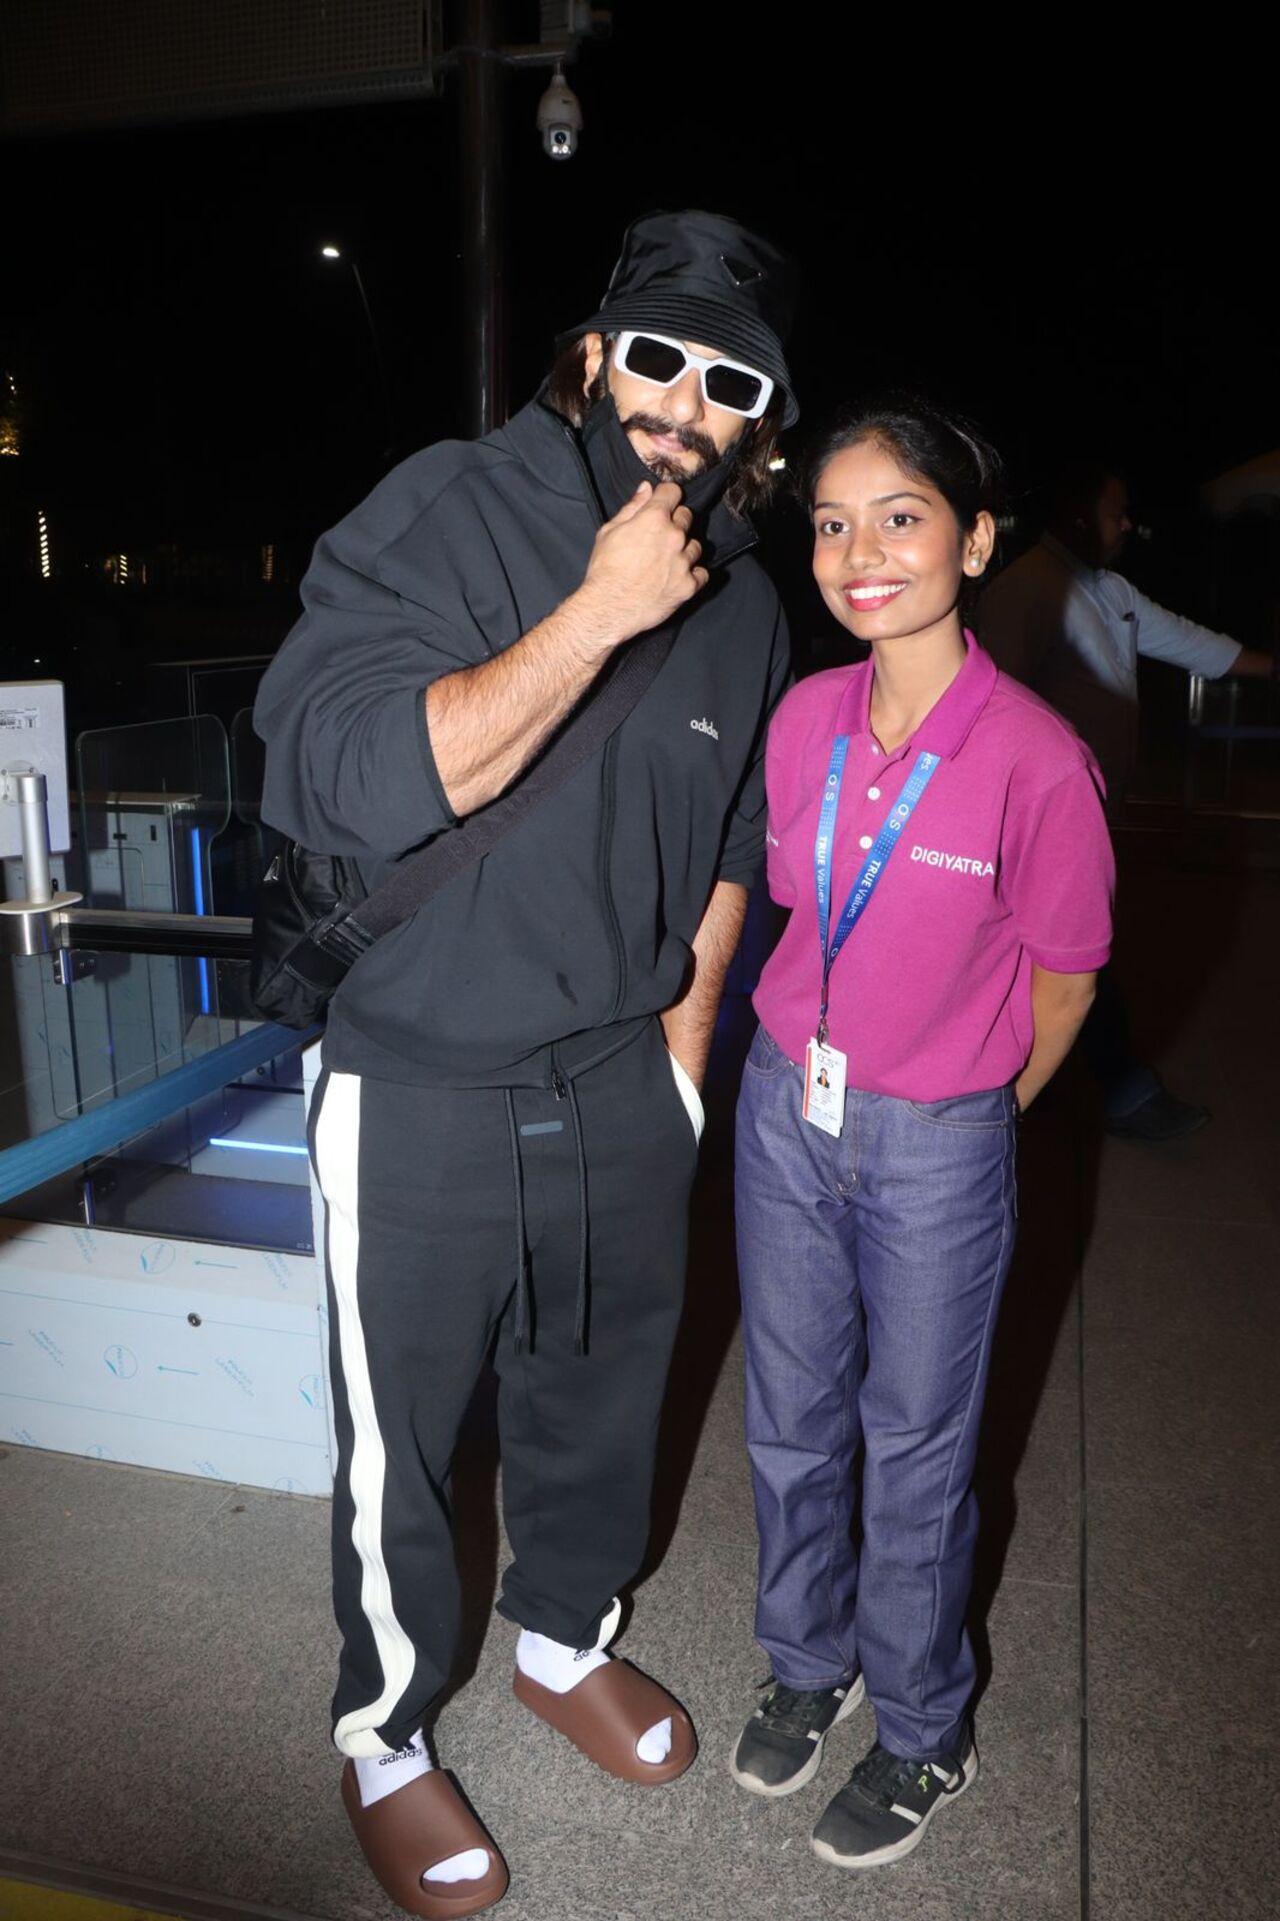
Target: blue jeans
[{"x": 871, "y": 1270}]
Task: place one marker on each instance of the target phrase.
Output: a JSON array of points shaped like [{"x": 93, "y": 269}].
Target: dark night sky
[{"x": 1078, "y": 260}]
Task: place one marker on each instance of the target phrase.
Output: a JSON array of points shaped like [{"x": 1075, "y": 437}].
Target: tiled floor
[{"x": 168, "y": 1643}]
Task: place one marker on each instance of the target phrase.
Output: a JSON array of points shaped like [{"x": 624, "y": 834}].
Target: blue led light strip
[
  {"x": 197, "y": 878},
  {"x": 254, "y": 1147}
]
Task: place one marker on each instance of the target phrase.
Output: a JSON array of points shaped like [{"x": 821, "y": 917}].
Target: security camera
[{"x": 559, "y": 119}]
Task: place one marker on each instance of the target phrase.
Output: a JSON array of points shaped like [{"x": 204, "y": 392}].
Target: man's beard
[
  {"x": 695, "y": 443},
  {"x": 662, "y": 468}
]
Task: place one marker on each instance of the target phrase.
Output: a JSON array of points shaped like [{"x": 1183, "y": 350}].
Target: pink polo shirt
[{"x": 1005, "y": 861}]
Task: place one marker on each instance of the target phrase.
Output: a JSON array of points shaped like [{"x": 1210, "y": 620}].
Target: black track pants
[{"x": 422, "y": 1207}]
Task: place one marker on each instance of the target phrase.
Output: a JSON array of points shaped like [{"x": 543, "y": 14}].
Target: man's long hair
[{"x": 751, "y": 482}]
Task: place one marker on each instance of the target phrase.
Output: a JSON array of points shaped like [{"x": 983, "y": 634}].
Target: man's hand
[
  {"x": 1252, "y": 664},
  {"x": 643, "y": 567},
  {"x": 691, "y": 1022},
  {"x": 486, "y": 723}
]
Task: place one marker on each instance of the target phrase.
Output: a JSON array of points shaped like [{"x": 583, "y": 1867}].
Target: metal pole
[
  {"x": 480, "y": 177},
  {"x": 33, "y": 816},
  {"x": 26, "y": 925}
]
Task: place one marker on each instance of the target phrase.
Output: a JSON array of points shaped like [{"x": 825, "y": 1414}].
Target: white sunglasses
[{"x": 725, "y": 383}]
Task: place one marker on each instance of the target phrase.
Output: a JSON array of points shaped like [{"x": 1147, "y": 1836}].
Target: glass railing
[
  {"x": 138, "y": 1090},
  {"x": 80, "y": 1028},
  {"x": 124, "y": 1106},
  {"x": 152, "y": 800}
]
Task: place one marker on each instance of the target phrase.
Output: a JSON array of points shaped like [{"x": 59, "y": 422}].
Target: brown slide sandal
[
  {"x": 605, "y": 1715},
  {"x": 407, "y": 1832}
]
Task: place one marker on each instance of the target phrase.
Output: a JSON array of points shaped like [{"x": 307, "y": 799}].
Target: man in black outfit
[{"x": 505, "y": 1130}]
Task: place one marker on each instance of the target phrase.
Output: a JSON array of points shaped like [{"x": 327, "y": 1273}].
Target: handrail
[
  {"x": 1231, "y": 732},
  {"x": 124, "y": 930},
  {"x": 135, "y": 930},
  {"x": 107, "y": 1127}
]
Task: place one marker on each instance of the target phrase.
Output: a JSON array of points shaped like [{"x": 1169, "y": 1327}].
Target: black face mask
[{"x": 618, "y": 469}]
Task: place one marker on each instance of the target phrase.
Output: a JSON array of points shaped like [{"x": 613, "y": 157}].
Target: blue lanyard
[{"x": 877, "y": 860}]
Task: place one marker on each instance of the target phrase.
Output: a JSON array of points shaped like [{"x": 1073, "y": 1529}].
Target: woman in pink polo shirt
[{"x": 937, "y": 832}]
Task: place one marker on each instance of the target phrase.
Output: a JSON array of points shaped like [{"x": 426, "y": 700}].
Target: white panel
[
  {"x": 33, "y": 733},
  {"x": 100, "y": 1355}
]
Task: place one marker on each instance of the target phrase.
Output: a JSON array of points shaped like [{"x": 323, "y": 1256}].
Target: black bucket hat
[{"x": 700, "y": 276}]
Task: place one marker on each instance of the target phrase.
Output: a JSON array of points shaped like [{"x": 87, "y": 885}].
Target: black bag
[
  {"x": 314, "y": 918},
  {"x": 303, "y": 901}
]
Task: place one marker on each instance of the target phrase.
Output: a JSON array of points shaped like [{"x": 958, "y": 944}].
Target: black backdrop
[{"x": 1070, "y": 236}]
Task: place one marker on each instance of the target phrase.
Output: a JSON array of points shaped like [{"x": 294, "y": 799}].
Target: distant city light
[
  {"x": 777, "y": 464},
  {"x": 10, "y": 438},
  {"x": 269, "y": 562},
  {"x": 46, "y": 568},
  {"x": 122, "y": 571},
  {"x": 331, "y": 253}
]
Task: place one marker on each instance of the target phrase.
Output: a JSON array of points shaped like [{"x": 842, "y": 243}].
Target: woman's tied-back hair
[
  {"x": 943, "y": 449},
  {"x": 752, "y": 481}
]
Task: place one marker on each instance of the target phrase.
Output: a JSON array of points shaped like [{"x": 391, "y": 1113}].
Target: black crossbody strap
[{"x": 422, "y": 875}]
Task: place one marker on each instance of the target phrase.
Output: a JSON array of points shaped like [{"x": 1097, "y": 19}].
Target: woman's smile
[{"x": 867, "y": 595}]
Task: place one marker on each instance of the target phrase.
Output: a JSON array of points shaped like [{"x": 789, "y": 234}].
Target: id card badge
[{"x": 824, "y": 1078}]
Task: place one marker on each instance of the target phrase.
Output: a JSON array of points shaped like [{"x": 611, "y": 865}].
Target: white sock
[
  {"x": 560, "y": 1668},
  {"x": 467, "y": 1866},
  {"x": 654, "y": 1744},
  {"x": 552, "y": 1664},
  {"x": 381, "y": 1774}
]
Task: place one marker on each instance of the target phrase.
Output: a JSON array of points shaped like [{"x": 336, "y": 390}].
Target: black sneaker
[
  {"x": 780, "y": 1749},
  {"x": 883, "y": 1809},
  {"x": 1161, "y": 1117}
]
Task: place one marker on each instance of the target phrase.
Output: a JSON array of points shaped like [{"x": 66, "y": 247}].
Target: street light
[{"x": 331, "y": 252}]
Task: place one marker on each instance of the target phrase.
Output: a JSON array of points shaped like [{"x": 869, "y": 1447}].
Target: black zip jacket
[{"x": 545, "y": 956}]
